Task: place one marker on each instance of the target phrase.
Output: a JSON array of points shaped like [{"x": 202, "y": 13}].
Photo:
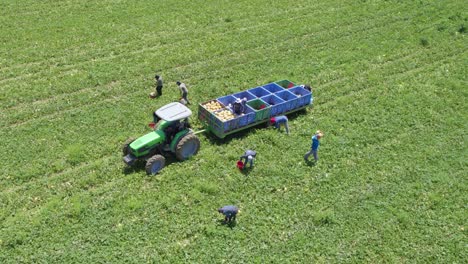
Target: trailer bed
[{"x": 263, "y": 102}]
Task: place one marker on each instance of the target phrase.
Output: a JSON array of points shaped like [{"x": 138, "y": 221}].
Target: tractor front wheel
[
  {"x": 187, "y": 147},
  {"x": 155, "y": 164},
  {"x": 126, "y": 145}
]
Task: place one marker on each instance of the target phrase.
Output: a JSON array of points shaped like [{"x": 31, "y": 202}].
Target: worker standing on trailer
[
  {"x": 315, "y": 145},
  {"x": 238, "y": 107},
  {"x": 183, "y": 91},
  {"x": 277, "y": 121}
]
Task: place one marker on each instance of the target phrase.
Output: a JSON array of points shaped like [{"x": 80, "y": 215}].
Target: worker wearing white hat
[{"x": 238, "y": 107}]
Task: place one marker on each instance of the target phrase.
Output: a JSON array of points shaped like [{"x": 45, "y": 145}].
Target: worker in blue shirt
[
  {"x": 229, "y": 212},
  {"x": 315, "y": 145},
  {"x": 278, "y": 120},
  {"x": 248, "y": 156}
]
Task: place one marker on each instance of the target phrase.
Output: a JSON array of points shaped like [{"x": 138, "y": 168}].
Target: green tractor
[{"x": 172, "y": 134}]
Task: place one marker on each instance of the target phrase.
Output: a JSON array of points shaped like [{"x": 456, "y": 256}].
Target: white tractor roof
[{"x": 173, "y": 111}]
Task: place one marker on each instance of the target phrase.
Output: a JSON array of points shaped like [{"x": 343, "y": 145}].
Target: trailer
[{"x": 261, "y": 103}]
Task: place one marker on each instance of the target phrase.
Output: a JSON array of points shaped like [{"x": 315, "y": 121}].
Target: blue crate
[
  {"x": 273, "y": 87},
  {"x": 203, "y": 113},
  {"x": 217, "y": 130},
  {"x": 247, "y": 118},
  {"x": 224, "y": 126},
  {"x": 276, "y": 104},
  {"x": 244, "y": 94},
  {"x": 290, "y": 100},
  {"x": 304, "y": 96},
  {"x": 226, "y": 100},
  {"x": 259, "y": 92},
  {"x": 260, "y": 113}
]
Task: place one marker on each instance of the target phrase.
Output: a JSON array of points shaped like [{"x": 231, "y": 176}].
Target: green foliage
[
  {"x": 462, "y": 29},
  {"x": 75, "y": 154},
  {"x": 323, "y": 217},
  {"x": 389, "y": 81},
  {"x": 424, "y": 42}
]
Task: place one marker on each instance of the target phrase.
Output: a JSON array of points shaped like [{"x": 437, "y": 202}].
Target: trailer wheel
[
  {"x": 155, "y": 164},
  {"x": 126, "y": 145},
  {"x": 187, "y": 147}
]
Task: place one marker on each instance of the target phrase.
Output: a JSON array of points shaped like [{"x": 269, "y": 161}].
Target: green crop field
[{"x": 389, "y": 81}]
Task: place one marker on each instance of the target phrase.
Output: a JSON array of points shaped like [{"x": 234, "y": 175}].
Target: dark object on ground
[{"x": 229, "y": 212}]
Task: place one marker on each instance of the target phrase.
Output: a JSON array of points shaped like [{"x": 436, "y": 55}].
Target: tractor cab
[
  {"x": 173, "y": 113},
  {"x": 171, "y": 119}
]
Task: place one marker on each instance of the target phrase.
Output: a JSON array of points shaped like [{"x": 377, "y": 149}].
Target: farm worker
[
  {"x": 315, "y": 145},
  {"x": 229, "y": 212},
  {"x": 248, "y": 156},
  {"x": 238, "y": 107},
  {"x": 159, "y": 84},
  {"x": 278, "y": 120},
  {"x": 183, "y": 90}
]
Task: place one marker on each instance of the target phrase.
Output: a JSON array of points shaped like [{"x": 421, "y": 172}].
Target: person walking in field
[
  {"x": 183, "y": 91},
  {"x": 315, "y": 145},
  {"x": 277, "y": 121},
  {"x": 159, "y": 86}
]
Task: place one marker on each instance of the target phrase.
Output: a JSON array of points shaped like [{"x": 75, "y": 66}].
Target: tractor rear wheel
[
  {"x": 126, "y": 145},
  {"x": 155, "y": 164},
  {"x": 187, "y": 147}
]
